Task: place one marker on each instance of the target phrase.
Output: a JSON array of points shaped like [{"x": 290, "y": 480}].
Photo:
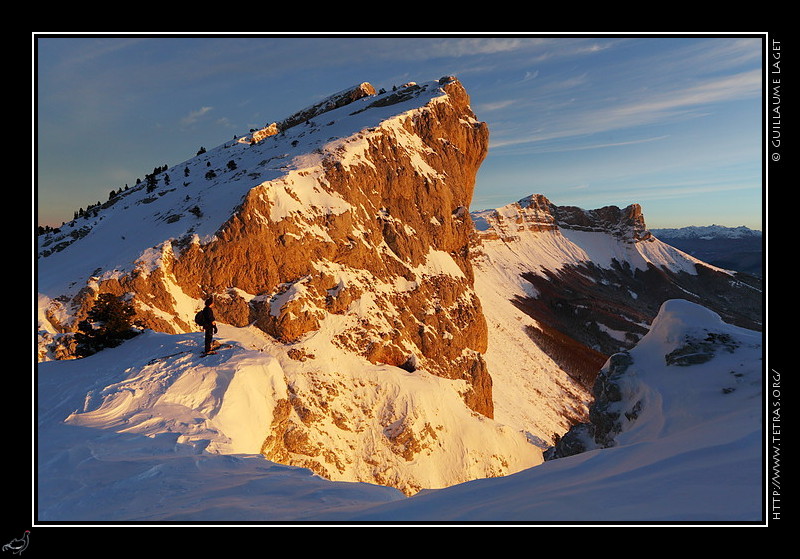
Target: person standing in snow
[{"x": 209, "y": 324}]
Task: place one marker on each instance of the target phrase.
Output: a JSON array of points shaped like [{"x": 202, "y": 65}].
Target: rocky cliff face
[
  {"x": 387, "y": 249},
  {"x": 365, "y": 232},
  {"x": 337, "y": 246},
  {"x": 536, "y": 213}
]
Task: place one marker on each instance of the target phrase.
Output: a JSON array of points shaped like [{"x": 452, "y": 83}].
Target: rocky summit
[{"x": 355, "y": 207}]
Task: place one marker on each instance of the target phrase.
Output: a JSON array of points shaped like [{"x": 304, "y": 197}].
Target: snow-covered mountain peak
[
  {"x": 195, "y": 198},
  {"x": 597, "y": 277},
  {"x": 361, "y": 180},
  {"x": 562, "y": 235},
  {"x": 537, "y": 213},
  {"x": 341, "y": 230}
]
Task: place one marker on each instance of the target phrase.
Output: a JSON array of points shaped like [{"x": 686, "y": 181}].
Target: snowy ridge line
[
  {"x": 531, "y": 219},
  {"x": 706, "y": 232}
]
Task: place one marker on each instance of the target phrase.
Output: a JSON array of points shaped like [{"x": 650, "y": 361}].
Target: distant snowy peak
[
  {"x": 605, "y": 237},
  {"x": 537, "y": 213},
  {"x": 707, "y": 232}
]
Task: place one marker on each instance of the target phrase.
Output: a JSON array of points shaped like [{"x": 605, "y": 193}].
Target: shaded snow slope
[
  {"x": 598, "y": 277},
  {"x": 694, "y": 453}
]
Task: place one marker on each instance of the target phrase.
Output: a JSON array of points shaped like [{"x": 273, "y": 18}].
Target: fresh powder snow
[{"x": 127, "y": 435}]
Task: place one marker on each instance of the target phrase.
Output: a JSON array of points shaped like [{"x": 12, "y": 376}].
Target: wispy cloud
[
  {"x": 637, "y": 109},
  {"x": 535, "y": 48},
  {"x": 708, "y": 56},
  {"x": 496, "y": 106},
  {"x": 458, "y": 47},
  {"x": 194, "y": 116},
  {"x": 666, "y": 104},
  {"x": 691, "y": 190},
  {"x": 584, "y": 147},
  {"x": 90, "y": 51}
]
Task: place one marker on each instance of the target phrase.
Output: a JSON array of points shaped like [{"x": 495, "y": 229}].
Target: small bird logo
[{"x": 18, "y": 545}]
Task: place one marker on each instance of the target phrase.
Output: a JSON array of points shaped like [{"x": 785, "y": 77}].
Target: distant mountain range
[
  {"x": 708, "y": 232},
  {"x": 733, "y": 248}
]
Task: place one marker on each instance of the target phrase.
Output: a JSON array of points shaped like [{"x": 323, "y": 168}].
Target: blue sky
[{"x": 673, "y": 124}]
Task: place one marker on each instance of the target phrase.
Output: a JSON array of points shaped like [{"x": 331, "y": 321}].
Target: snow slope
[
  {"x": 158, "y": 386},
  {"x": 531, "y": 391},
  {"x": 122, "y": 437},
  {"x": 560, "y": 247}
]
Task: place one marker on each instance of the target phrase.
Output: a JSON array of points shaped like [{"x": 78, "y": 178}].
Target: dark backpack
[{"x": 200, "y": 318}]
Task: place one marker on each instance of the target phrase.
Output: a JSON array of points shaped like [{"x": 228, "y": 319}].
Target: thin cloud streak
[
  {"x": 661, "y": 108},
  {"x": 531, "y": 50},
  {"x": 670, "y": 192},
  {"x": 496, "y": 106},
  {"x": 194, "y": 116},
  {"x": 562, "y": 149}
]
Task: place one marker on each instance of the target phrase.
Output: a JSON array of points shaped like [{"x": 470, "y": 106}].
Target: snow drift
[{"x": 124, "y": 437}]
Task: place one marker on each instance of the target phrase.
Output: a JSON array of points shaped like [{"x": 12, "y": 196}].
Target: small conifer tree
[{"x": 108, "y": 324}]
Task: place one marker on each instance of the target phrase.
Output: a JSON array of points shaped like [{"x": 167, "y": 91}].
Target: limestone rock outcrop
[
  {"x": 611, "y": 409},
  {"x": 537, "y": 213},
  {"x": 350, "y": 214}
]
